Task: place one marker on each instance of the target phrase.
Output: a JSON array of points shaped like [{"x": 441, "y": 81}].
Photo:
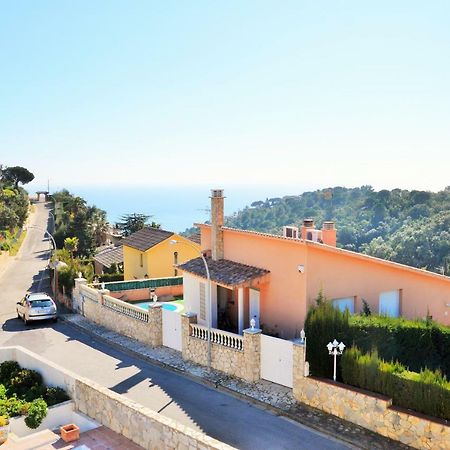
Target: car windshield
[{"x": 41, "y": 303}]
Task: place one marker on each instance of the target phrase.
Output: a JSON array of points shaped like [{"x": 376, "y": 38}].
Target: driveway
[{"x": 219, "y": 415}]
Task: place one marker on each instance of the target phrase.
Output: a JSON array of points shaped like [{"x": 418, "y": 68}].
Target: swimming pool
[{"x": 176, "y": 305}]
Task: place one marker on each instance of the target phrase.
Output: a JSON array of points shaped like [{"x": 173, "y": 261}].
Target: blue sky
[{"x": 236, "y": 93}]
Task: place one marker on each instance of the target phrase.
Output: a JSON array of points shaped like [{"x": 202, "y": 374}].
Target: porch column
[{"x": 240, "y": 310}]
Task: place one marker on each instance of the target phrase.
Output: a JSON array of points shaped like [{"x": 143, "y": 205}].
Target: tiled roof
[
  {"x": 224, "y": 271},
  {"x": 195, "y": 237},
  {"x": 110, "y": 255},
  {"x": 146, "y": 238}
]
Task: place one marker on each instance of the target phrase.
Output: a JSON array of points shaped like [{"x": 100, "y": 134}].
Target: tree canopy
[
  {"x": 409, "y": 227},
  {"x": 130, "y": 223},
  {"x": 16, "y": 175}
]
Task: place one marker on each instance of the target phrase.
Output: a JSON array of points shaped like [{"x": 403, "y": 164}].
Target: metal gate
[
  {"x": 276, "y": 360},
  {"x": 171, "y": 328}
]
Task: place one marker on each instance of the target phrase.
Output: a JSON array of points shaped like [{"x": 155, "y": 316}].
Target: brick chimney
[
  {"x": 329, "y": 233},
  {"x": 308, "y": 225},
  {"x": 217, "y": 221}
]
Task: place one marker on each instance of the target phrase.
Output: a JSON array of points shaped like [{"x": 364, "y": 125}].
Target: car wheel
[{"x": 55, "y": 320}]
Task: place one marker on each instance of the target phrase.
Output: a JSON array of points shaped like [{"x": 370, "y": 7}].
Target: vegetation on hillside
[
  {"x": 409, "y": 227},
  {"x": 130, "y": 223},
  {"x": 14, "y": 204}
]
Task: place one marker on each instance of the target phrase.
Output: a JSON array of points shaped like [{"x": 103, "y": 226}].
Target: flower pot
[
  {"x": 4, "y": 432},
  {"x": 70, "y": 432}
]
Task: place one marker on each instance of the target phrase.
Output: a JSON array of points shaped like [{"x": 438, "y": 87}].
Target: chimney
[
  {"x": 308, "y": 225},
  {"x": 217, "y": 220},
  {"x": 329, "y": 233}
]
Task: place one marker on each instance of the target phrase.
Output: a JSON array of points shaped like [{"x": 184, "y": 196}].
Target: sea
[{"x": 176, "y": 208}]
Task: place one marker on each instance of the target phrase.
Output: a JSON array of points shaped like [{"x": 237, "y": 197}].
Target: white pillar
[{"x": 241, "y": 310}]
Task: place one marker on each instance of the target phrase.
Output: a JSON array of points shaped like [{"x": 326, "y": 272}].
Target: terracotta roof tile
[
  {"x": 110, "y": 255},
  {"x": 146, "y": 238},
  {"x": 224, "y": 271}
]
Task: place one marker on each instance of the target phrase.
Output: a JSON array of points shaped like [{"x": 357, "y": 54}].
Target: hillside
[{"x": 409, "y": 227}]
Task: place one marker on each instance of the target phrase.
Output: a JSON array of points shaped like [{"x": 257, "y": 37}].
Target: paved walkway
[{"x": 264, "y": 393}]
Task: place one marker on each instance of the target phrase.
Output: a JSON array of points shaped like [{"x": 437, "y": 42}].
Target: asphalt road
[{"x": 220, "y": 415}]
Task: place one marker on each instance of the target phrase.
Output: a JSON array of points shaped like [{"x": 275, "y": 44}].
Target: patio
[{"x": 101, "y": 438}]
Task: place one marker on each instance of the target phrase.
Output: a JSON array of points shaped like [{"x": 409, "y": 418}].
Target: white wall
[{"x": 191, "y": 296}]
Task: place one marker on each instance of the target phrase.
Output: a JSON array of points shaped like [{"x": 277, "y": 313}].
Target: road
[{"x": 220, "y": 415}]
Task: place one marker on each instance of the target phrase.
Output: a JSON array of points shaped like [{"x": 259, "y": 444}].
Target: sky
[{"x": 278, "y": 94}]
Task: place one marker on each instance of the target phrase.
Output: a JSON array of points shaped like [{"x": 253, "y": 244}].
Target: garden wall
[{"x": 370, "y": 411}]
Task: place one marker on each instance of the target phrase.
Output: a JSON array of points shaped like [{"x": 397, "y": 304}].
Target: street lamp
[
  {"x": 174, "y": 241},
  {"x": 336, "y": 349}
]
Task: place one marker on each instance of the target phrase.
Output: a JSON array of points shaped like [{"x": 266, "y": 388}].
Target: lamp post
[
  {"x": 174, "y": 241},
  {"x": 336, "y": 349}
]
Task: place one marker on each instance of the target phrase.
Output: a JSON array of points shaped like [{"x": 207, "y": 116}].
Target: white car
[{"x": 36, "y": 307}]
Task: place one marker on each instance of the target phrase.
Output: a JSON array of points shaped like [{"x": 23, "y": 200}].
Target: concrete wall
[
  {"x": 368, "y": 410},
  {"x": 139, "y": 424}
]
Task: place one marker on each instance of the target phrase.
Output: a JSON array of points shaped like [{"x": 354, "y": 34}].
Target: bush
[
  {"x": 427, "y": 392},
  {"x": 55, "y": 395},
  {"x": 7, "y": 370},
  {"x": 108, "y": 277},
  {"x": 36, "y": 413},
  {"x": 399, "y": 339},
  {"x": 24, "y": 381},
  {"x": 323, "y": 324},
  {"x": 12, "y": 406}
]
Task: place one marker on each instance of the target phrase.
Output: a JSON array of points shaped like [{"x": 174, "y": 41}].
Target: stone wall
[
  {"x": 147, "y": 331},
  {"x": 143, "y": 426},
  {"x": 243, "y": 364},
  {"x": 368, "y": 410}
]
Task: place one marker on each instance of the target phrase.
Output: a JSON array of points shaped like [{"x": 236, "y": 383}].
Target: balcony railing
[
  {"x": 125, "y": 308},
  {"x": 231, "y": 340}
]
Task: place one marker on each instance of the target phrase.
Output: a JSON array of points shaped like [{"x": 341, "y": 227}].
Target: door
[
  {"x": 390, "y": 303},
  {"x": 253, "y": 306},
  {"x": 277, "y": 360}
]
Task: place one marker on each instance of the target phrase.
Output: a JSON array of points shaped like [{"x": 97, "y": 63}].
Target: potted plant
[
  {"x": 70, "y": 432},
  {"x": 4, "y": 429}
]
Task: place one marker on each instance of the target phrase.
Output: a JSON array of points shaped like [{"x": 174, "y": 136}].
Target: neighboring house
[
  {"x": 108, "y": 256},
  {"x": 276, "y": 278},
  {"x": 151, "y": 253}
]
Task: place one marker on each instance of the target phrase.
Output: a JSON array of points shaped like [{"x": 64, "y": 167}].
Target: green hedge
[
  {"x": 108, "y": 277},
  {"x": 427, "y": 392},
  {"x": 415, "y": 343}
]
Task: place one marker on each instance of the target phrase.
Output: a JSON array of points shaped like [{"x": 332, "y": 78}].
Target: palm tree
[{"x": 71, "y": 244}]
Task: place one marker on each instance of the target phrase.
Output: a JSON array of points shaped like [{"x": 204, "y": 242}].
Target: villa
[{"x": 275, "y": 278}]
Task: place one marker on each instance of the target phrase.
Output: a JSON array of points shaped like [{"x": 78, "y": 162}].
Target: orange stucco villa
[{"x": 274, "y": 279}]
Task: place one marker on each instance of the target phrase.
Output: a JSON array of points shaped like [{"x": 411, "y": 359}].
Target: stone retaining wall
[
  {"x": 370, "y": 411},
  {"x": 243, "y": 364},
  {"x": 143, "y": 426}
]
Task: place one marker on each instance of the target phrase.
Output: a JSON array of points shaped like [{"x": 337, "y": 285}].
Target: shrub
[
  {"x": 24, "y": 381},
  {"x": 323, "y": 324},
  {"x": 4, "y": 421},
  {"x": 55, "y": 395},
  {"x": 36, "y": 413},
  {"x": 12, "y": 406},
  {"x": 7, "y": 370},
  {"x": 427, "y": 392},
  {"x": 108, "y": 277}
]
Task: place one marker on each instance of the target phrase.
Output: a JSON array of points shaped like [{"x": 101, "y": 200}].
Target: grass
[{"x": 14, "y": 249}]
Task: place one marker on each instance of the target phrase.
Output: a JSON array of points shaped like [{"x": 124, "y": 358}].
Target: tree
[
  {"x": 71, "y": 245},
  {"x": 16, "y": 175},
  {"x": 130, "y": 223}
]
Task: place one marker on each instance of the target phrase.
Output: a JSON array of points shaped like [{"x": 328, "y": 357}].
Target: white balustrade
[
  {"x": 89, "y": 293},
  {"x": 231, "y": 340},
  {"x": 125, "y": 308}
]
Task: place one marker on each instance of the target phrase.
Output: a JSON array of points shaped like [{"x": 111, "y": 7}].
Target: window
[
  {"x": 389, "y": 304},
  {"x": 343, "y": 303},
  {"x": 142, "y": 260},
  {"x": 175, "y": 262},
  {"x": 202, "y": 301}
]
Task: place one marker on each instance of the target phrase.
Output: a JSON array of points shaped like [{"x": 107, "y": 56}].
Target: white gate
[
  {"x": 276, "y": 360},
  {"x": 171, "y": 328}
]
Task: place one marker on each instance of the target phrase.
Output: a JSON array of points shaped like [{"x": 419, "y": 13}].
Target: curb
[{"x": 354, "y": 443}]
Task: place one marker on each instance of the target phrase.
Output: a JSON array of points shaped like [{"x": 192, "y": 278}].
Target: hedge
[
  {"x": 415, "y": 343},
  {"x": 427, "y": 392}
]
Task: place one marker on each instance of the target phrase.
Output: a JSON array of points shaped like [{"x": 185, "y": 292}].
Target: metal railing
[
  {"x": 230, "y": 340},
  {"x": 125, "y": 308}
]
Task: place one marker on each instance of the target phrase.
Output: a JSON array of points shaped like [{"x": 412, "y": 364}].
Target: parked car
[{"x": 36, "y": 307}]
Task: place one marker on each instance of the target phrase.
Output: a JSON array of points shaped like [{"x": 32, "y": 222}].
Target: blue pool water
[{"x": 145, "y": 305}]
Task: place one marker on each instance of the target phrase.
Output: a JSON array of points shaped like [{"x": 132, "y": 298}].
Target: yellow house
[{"x": 151, "y": 253}]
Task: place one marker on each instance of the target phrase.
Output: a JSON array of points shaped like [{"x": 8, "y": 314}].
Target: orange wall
[
  {"x": 287, "y": 295},
  {"x": 341, "y": 275},
  {"x": 282, "y": 299}
]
